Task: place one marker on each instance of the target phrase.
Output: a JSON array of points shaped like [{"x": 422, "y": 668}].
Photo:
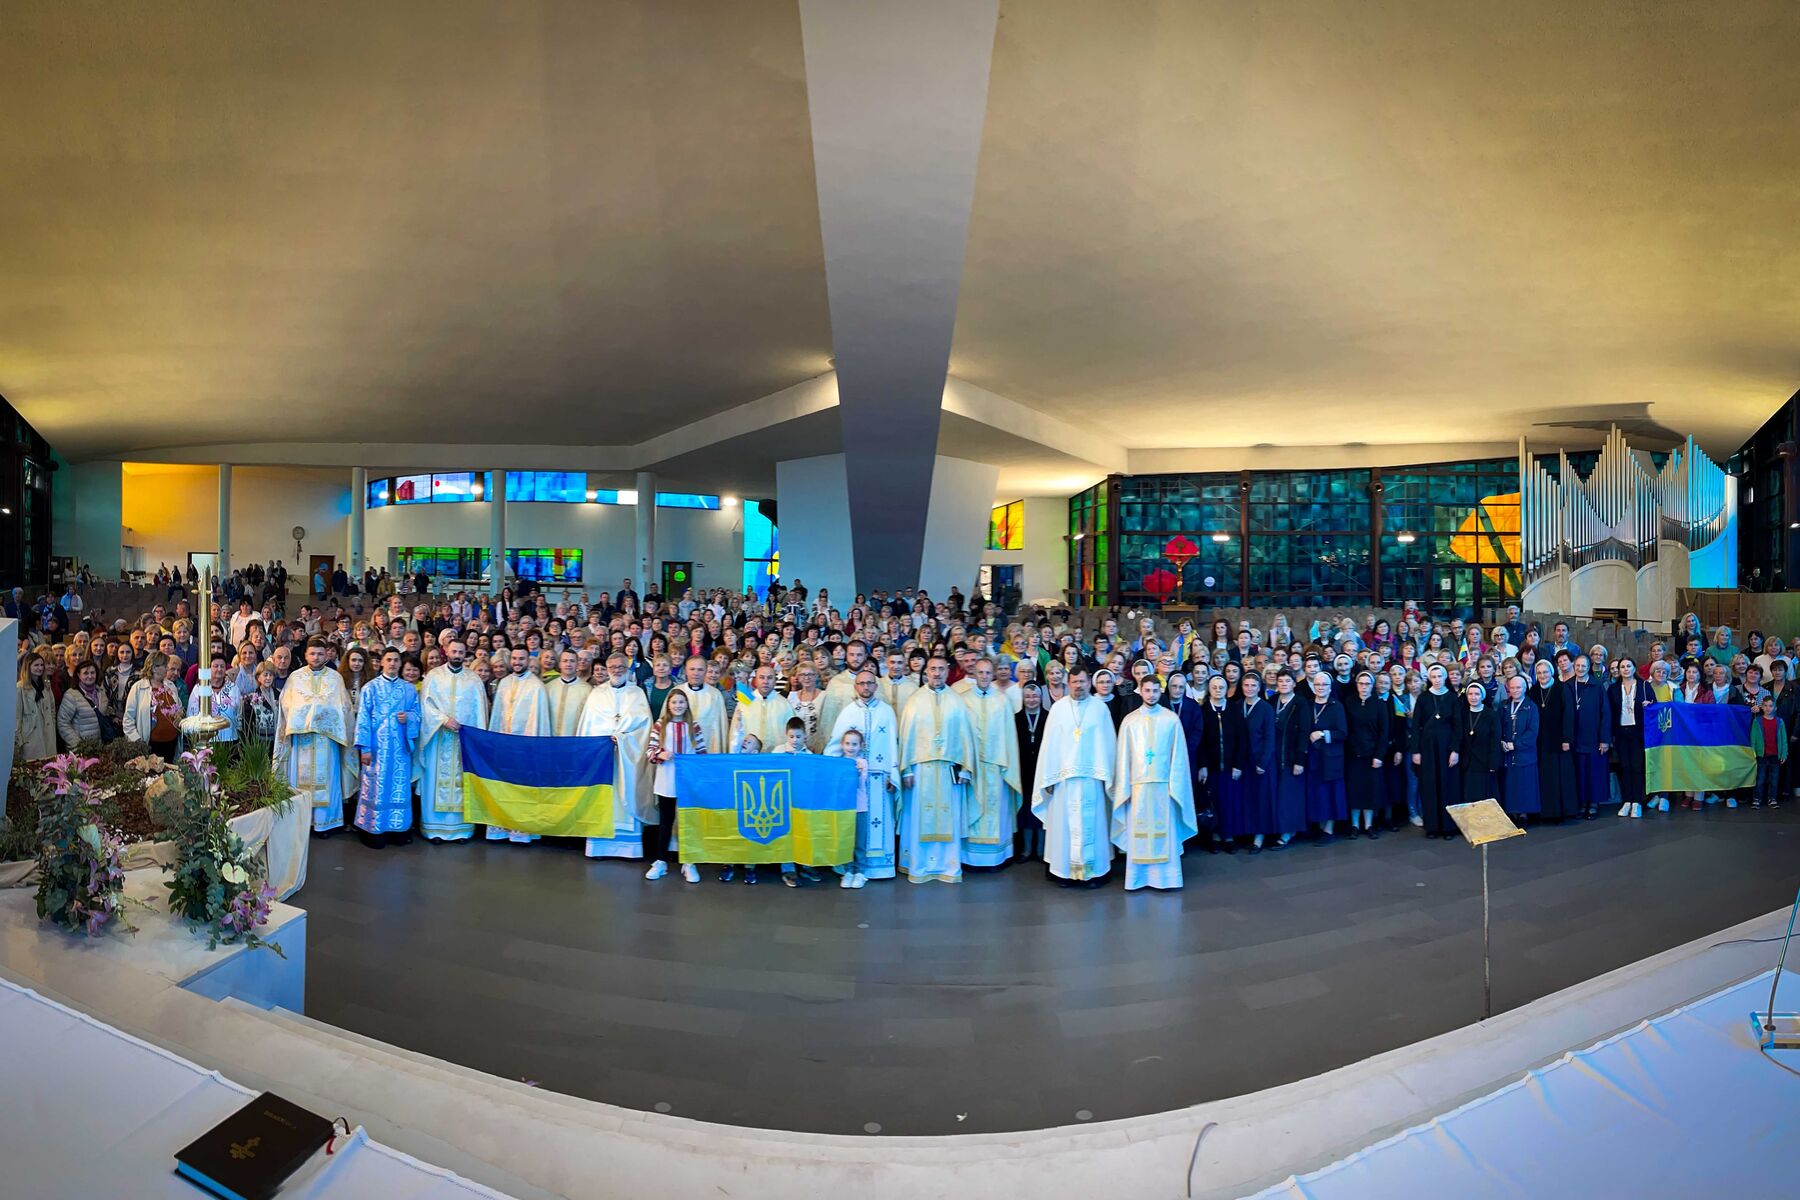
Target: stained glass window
[{"x": 1006, "y": 527}]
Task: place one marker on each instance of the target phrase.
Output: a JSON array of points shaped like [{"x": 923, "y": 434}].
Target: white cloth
[
  {"x": 707, "y": 704},
  {"x": 566, "y": 697},
  {"x": 103, "y": 1112},
  {"x": 313, "y": 734},
  {"x": 764, "y": 716}
]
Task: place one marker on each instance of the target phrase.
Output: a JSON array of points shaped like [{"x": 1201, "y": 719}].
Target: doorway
[
  {"x": 313, "y": 562},
  {"x": 677, "y": 577}
]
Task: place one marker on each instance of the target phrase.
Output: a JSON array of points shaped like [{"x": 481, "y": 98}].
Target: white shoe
[
  {"x": 848, "y": 881},
  {"x": 861, "y": 880},
  {"x": 657, "y": 870},
  {"x": 1419, "y": 821},
  {"x": 1637, "y": 810},
  {"x": 1731, "y": 802},
  {"x": 690, "y": 873},
  {"x": 1625, "y": 809}
]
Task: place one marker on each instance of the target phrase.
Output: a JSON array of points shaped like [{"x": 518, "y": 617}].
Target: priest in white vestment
[
  {"x": 1074, "y": 778},
  {"x": 937, "y": 760},
  {"x": 706, "y": 703},
  {"x": 618, "y": 709},
  {"x": 1153, "y": 793},
  {"x": 313, "y": 735},
  {"x": 566, "y": 693},
  {"x": 840, "y": 692},
  {"x": 874, "y": 718},
  {"x": 520, "y": 706},
  {"x": 994, "y": 793},
  {"x": 453, "y": 696},
  {"x": 763, "y": 713}
]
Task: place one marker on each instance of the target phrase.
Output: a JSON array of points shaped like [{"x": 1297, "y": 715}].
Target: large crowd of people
[{"x": 981, "y": 738}]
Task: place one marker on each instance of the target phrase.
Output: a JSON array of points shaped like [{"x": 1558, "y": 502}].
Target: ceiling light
[
  {"x": 477, "y": 491},
  {"x": 728, "y": 501},
  {"x": 1405, "y": 538},
  {"x": 5, "y": 512},
  {"x": 1791, "y": 524},
  {"x": 627, "y": 497},
  {"x": 593, "y": 495},
  {"x": 1078, "y": 537},
  {"x": 1221, "y": 537}
]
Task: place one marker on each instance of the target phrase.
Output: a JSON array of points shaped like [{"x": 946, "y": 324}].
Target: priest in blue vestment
[{"x": 387, "y": 726}]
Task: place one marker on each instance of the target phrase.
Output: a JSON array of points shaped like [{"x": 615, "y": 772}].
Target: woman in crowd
[
  {"x": 1325, "y": 730},
  {"x": 1479, "y": 751},
  {"x": 36, "y": 732},
  {"x": 1434, "y": 743},
  {"x": 1519, "y": 752},
  {"x": 1366, "y": 735},
  {"x": 1290, "y": 773}
]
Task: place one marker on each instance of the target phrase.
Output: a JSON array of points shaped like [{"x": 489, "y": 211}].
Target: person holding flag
[
  {"x": 872, "y": 726},
  {"x": 522, "y": 707},
  {"x": 618, "y": 709}
]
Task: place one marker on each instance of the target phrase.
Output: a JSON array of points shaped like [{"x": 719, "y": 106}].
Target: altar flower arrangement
[
  {"x": 219, "y": 884},
  {"x": 81, "y": 870}
]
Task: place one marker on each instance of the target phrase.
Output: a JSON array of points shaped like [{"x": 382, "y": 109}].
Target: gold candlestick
[{"x": 204, "y": 726}]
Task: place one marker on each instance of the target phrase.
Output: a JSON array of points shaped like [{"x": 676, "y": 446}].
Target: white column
[
  {"x": 649, "y": 574},
  {"x": 359, "y": 507},
  {"x": 496, "y": 489},
  {"x": 224, "y": 519}
]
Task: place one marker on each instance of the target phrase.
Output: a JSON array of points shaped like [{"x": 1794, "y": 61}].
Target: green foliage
[
  {"x": 81, "y": 871},
  {"x": 218, "y": 883},
  {"x": 248, "y": 778}
]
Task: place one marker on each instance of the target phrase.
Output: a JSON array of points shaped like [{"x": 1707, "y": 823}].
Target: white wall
[
  {"x": 606, "y": 535},
  {"x": 956, "y": 523},
  {"x": 813, "y": 514},
  {"x": 170, "y": 510},
  {"x": 1609, "y": 583},
  {"x": 1045, "y": 557}
]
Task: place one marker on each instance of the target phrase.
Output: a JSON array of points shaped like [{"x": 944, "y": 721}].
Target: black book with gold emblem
[{"x": 251, "y": 1153}]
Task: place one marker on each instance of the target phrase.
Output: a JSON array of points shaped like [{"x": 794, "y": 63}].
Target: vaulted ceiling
[{"x": 1196, "y": 224}]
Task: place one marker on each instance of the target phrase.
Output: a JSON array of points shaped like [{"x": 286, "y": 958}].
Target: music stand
[{"x": 1482, "y": 822}]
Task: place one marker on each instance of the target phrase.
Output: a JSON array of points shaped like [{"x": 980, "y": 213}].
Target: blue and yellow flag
[
  {"x": 766, "y": 808},
  {"x": 554, "y": 786},
  {"x": 1697, "y": 747}
]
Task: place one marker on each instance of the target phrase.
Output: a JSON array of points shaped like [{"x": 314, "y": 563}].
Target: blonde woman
[{"x": 36, "y": 736}]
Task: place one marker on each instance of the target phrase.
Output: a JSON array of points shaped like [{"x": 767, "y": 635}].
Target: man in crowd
[
  {"x": 453, "y": 697},
  {"x": 1153, "y": 793},
  {"x": 520, "y": 706},
  {"x": 387, "y": 729},
  {"x": 1075, "y": 771},
  {"x": 314, "y": 738},
  {"x": 618, "y": 709},
  {"x": 938, "y": 758},
  {"x": 994, "y": 792},
  {"x": 876, "y": 727}
]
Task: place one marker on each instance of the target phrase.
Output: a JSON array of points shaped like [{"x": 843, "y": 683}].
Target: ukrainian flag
[
  {"x": 766, "y": 808},
  {"x": 1697, "y": 747},
  {"x": 554, "y": 786}
]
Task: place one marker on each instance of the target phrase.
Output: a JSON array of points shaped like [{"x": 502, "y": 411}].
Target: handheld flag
[
  {"x": 766, "y": 808},
  {"x": 552, "y": 786},
  {"x": 1697, "y": 747}
]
